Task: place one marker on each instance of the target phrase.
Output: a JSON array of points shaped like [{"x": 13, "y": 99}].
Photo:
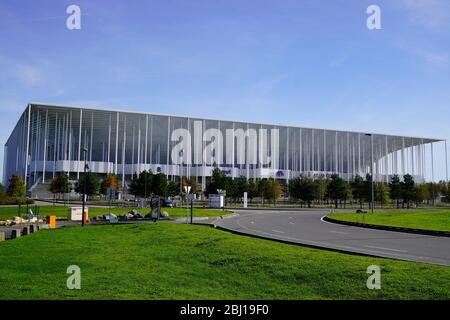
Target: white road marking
[
  {"x": 252, "y": 222},
  {"x": 290, "y": 222},
  {"x": 340, "y": 232},
  {"x": 396, "y": 250},
  {"x": 278, "y": 231}
]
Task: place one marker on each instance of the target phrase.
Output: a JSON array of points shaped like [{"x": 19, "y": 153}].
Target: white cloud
[
  {"x": 29, "y": 75},
  {"x": 432, "y": 14}
]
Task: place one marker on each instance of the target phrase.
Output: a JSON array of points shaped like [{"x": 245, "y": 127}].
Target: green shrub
[{"x": 7, "y": 200}]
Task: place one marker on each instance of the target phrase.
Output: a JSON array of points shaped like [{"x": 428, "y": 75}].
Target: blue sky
[{"x": 299, "y": 62}]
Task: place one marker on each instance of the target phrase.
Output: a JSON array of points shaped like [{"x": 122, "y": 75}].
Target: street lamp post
[
  {"x": 83, "y": 214},
  {"x": 371, "y": 172}
]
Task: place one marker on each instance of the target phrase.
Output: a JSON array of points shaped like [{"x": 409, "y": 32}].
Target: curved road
[{"x": 306, "y": 227}]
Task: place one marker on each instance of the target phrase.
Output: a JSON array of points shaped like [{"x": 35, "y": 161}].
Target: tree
[
  {"x": 242, "y": 185},
  {"x": 422, "y": 193},
  {"x": 433, "y": 191},
  {"x": 382, "y": 194},
  {"x": 92, "y": 184},
  {"x": 261, "y": 187},
  {"x": 395, "y": 189},
  {"x": 252, "y": 190},
  {"x": 193, "y": 184},
  {"x": 408, "y": 190},
  {"x": 217, "y": 181},
  {"x": 173, "y": 189},
  {"x": 16, "y": 187},
  {"x": 2, "y": 191},
  {"x": 303, "y": 188},
  {"x": 320, "y": 190},
  {"x": 337, "y": 189},
  {"x": 159, "y": 184},
  {"x": 141, "y": 185},
  {"x": 358, "y": 189},
  {"x": 272, "y": 190},
  {"x": 110, "y": 182},
  {"x": 60, "y": 184},
  {"x": 231, "y": 188}
]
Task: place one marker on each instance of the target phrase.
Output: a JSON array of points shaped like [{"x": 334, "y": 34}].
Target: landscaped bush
[{"x": 7, "y": 200}]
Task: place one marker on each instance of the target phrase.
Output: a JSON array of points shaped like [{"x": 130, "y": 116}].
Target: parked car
[{"x": 167, "y": 203}]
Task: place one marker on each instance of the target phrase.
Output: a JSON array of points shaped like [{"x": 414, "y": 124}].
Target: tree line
[{"x": 303, "y": 190}]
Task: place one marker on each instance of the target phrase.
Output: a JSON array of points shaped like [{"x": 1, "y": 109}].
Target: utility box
[
  {"x": 216, "y": 201},
  {"x": 76, "y": 213}
]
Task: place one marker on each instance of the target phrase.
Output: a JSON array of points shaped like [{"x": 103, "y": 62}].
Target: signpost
[{"x": 191, "y": 197}]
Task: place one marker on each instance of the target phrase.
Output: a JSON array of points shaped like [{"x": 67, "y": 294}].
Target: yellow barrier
[{"x": 51, "y": 220}]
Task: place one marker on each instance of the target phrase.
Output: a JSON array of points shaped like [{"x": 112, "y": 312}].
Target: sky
[{"x": 297, "y": 62}]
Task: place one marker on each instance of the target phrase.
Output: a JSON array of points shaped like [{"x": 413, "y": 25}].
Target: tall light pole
[
  {"x": 83, "y": 215},
  {"x": 371, "y": 171}
]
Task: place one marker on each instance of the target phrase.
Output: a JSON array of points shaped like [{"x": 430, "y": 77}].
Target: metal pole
[{"x": 191, "y": 210}]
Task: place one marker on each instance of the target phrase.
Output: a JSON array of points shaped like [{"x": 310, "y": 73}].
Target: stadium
[{"x": 49, "y": 139}]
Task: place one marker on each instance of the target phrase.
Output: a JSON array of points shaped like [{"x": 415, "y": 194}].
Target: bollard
[
  {"x": 51, "y": 220},
  {"x": 26, "y": 231},
  {"x": 2, "y": 236},
  {"x": 15, "y": 233}
]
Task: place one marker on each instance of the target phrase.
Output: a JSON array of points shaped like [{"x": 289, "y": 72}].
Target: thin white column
[
  {"x": 79, "y": 145},
  {"x": 301, "y": 152},
  {"x": 232, "y": 153},
  {"x": 117, "y": 144},
  {"x": 446, "y": 163},
  {"x": 312, "y": 153},
  {"x": 132, "y": 153},
  {"x": 168, "y": 140},
  {"x": 55, "y": 145},
  {"x": 386, "y": 160},
  {"x": 28, "y": 146},
  {"x": 92, "y": 136},
  {"x": 109, "y": 143},
  {"x": 123, "y": 149},
  {"x": 336, "y": 153},
  {"x": 432, "y": 163},
  {"x": 45, "y": 146},
  {"x": 359, "y": 153},
  {"x": 324, "y": 151},
  {"x": 146, "y": 141},
  {"x": 139, "y": 146},
  {"x": 151, "y": 141}
]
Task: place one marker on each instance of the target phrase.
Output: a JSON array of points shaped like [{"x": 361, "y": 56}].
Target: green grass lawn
[
  {"x": 433, "y": 219},
  {"x": 180, "y": 261},
  {"x": 61, "y": 211}
]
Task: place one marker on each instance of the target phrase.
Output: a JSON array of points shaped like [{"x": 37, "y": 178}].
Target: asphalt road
[{"x": 306, "y": 227}]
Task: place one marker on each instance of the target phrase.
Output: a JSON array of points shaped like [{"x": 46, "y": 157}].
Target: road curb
[{"x": 389, "y": 228}]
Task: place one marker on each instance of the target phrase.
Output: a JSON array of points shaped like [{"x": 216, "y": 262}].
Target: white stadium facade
[{"x": 49, "y": 139}]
